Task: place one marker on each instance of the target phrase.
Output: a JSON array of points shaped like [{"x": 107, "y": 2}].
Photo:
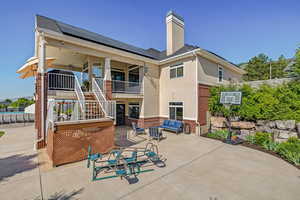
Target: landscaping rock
[
  {"x": 218, "y": 122},
  {"x": 283, "y": 134},
  {"x": 293, "y": 134},
  {"x": 285, "y": 125},
  {"x": 244, "y": 133},
  {"x": 243, "y": 125},
  {"x": 261, "y": 128},
  {"x": 271, "y": 124},
  {"x": 298, "y": 128},
  {"x": 261, "y": 122}
]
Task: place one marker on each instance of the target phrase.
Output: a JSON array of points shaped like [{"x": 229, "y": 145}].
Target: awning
[{"x": 30, "y": 67}]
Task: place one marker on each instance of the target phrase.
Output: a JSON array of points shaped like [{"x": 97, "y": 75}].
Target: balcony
[{"x": 127, "y": 87}]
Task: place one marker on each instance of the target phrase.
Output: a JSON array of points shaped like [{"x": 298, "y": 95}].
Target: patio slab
[{"x": 196, "y": 168}]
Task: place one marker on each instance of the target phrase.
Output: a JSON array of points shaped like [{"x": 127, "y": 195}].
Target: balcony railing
[
  {"x": 61, "y": 81},
  {"x": 127, "y": 87},
  {"x": 69, "y": 110}
]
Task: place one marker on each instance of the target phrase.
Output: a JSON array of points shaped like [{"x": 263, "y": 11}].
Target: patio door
[{"x": 120, "y": 112}]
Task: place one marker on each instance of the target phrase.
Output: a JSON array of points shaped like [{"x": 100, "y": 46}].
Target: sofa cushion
[
  {"x": 166, "y": 123},
  {"x": 177, "y": 124},
  {"x": 172, "y": 123}
]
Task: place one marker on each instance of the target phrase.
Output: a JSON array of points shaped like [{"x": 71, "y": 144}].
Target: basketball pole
[{"x": 228, "y": 124}]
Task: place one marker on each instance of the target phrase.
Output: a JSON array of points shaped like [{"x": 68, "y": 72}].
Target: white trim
[
  {"x": 188, "y": 118},
  {"x": 176, "y": 66},
  {"x": 197, "y": 92},
  {"x": 176, "y": 106},
  {"x": 178, "y": 56}
]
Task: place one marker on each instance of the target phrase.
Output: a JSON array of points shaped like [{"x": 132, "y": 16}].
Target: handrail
[
  {"x": 79, "y": 94},
  {"x": 99, "y": 95},
  {"x": 58, "y": 81},
  {"x": 127, "y": 87},
  {"x": 108, "y": 107}
]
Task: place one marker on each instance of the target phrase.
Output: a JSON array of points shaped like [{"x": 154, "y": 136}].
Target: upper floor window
[
  {"x": 220, "y": 74},
  {"x": 176, "y": 71}
]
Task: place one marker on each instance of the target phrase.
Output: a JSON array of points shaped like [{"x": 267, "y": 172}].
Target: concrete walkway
[{"x": 197, "y": 168}]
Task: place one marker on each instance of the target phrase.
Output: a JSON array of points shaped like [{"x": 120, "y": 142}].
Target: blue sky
[{"x": 236, "y": 30}]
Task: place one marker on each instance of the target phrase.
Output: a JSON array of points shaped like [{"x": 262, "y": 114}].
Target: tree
[
  {"x": 296, "y": 66},
  {"x": 257, "y": 68},
  {"x": 21, "y": 102}
]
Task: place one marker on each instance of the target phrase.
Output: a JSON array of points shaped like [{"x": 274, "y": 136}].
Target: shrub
[
  {"x": 260, "y": 138},
  {"x": 266, "y": 102},
  {"x": 1, "y": 133},
  {"x": 290, "y": 150},
  {"x": 270, "y": 145},
  {"x": 250, "y": 139},
  {"x": 220, "y": 134}
]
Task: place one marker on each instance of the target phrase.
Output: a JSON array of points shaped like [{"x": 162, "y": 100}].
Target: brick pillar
[
  {"x": 38, "y": 107},
  {"x": 108, "y": 89}
]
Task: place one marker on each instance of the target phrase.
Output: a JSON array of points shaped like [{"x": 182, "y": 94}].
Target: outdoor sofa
[{"x": 172, "y": 125}]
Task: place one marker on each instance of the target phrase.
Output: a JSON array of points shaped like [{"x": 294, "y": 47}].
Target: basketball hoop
[{"x": 228, "y": 99}]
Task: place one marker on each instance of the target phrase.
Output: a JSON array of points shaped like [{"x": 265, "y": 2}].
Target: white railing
[
  {"x": 69, "y": 110},
  {"x": 61, "y": 81},
  {"x": 50, "y": 116},
  {"x": 127, "y": 87},
  {"x": 108, "y": 107},
  {"x": 79, "y": 94}
]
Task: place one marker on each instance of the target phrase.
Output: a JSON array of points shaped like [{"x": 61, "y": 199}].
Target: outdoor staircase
[{"x": 93, "y": 109}]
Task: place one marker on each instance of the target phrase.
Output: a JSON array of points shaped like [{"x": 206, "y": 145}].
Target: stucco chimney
[{"x": 175, "y": 32}]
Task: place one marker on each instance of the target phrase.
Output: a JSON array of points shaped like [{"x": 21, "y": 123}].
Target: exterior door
[{"x": 120, "y": 112}]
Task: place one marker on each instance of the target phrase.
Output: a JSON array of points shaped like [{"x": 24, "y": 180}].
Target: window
[
  {"x": 176, "y": 71},
  {"x": 176, "y": 111},
  {"x": 220, "y": 74},
  {"x": 134, "y": 110}
]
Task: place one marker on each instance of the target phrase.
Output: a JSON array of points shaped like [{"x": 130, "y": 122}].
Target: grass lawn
[{"x": 1, "y": 133}]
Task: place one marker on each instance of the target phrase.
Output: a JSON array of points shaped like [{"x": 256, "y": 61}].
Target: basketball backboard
[{"x": 233, "y": 98}]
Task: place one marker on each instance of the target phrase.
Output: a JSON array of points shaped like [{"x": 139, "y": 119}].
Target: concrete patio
[{"x": 196, "y": 168}]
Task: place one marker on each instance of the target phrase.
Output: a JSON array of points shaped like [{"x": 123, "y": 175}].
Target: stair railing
[
  {"x": 108, "y": 107},
  {"x": 80, "y": 95}
]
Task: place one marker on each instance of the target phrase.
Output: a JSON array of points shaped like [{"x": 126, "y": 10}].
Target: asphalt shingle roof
[{"x": 60, "y": 27}]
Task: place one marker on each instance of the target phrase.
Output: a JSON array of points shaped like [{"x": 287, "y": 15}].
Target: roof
[{"x": 66, "y": 29}]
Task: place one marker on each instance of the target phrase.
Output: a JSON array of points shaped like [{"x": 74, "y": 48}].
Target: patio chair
[
  {"x": 154, "y": 133},
  {"x": 136, "y": 129}
]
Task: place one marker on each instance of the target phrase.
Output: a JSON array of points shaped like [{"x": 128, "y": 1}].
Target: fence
[
  {"x": 9, "y": 118},
  {"x": 61, "y": 81}
]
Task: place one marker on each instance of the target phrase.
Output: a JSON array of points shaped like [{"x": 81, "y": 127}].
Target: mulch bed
[{"x": 257, "y": 147}]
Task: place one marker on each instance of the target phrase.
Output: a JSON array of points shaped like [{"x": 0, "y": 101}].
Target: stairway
[{"x": 92, "y": 108}]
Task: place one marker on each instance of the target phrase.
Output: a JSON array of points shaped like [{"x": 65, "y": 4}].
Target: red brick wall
[
  {"x": 69, "y": 143},
  {"x": 38, "y": 106},
  {"x": 203, "y": 96}
]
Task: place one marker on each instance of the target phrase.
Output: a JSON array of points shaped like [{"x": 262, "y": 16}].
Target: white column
[
  {"x": 141, "y": 77},
  {"x": 107, "y": 69},
  {"x": 42, "y": 70}
]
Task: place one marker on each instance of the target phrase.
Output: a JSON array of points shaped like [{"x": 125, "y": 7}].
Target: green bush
[
  {"x": 265, "y": 103},
  {"x": 1, "y": 133},
  {"x": 270, "y": 145},
  {"x": 290, "y": 150},
  {"x": 221, "y": 134},
  {"x": 260, "y": 138}
]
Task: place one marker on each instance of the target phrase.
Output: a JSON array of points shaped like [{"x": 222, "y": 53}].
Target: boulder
[
  {"x": 298, "y": 128},
  {"x": 244, "y": 133},
  {"x": 243, "y": 125},
  {"x": 290, "y": 124},
  {"x": 285, "y": 125},
  {"x": 271, "y": 124},
  {"x": 283, "y": 134},
  {"x": 261, "y": 122},
  {"x": 260, "y": 128},
  {"x": 218, "y": 122},
  {"x": 293, "y": 134}
]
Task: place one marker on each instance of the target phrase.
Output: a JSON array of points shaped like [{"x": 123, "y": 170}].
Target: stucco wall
[
  {"x": 208, "y": 73},
  {"x": 150, "y": 104},
  {"x": 183, "y": 89}
]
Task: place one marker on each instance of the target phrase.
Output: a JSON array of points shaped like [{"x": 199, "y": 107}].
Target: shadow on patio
[
  {"x": 125, "y": 137},
  {"x": 16, "y": 164}
]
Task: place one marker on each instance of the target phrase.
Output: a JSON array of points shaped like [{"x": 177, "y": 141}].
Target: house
[{"x": 82, "y": 70}]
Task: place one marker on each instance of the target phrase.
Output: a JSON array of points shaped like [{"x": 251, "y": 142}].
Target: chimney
[{"x": 175, "y": 32}]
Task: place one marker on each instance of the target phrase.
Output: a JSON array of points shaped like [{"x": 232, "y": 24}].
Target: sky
[{"x": 236, "y": 30}]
